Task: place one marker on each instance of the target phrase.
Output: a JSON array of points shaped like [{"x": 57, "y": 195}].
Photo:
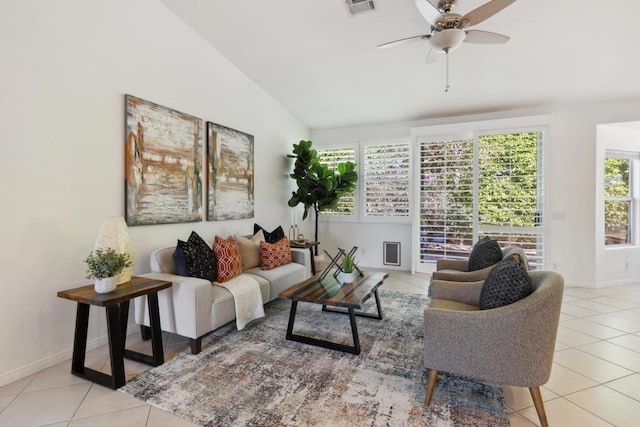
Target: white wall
[
  {"x": 571, "y": 149},
  {"x": 65, "y": 67}
]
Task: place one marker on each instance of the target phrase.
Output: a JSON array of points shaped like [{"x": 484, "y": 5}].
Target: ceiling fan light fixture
[{"x": 448, "y": 39}]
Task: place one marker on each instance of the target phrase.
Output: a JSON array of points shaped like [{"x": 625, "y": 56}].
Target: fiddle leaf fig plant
[{"x": 319, "y": 188}]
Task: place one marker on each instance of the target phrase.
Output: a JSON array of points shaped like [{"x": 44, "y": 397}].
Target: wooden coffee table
[
  {"x": 328, "y": 292},
  {"x": 116, "y": 304}
]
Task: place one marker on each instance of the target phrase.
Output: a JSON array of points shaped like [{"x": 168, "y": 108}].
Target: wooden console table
[{"x": 116, "y": 304}]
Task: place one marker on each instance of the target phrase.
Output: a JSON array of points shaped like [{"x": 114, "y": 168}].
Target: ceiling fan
[{"x": 449, "y": 30}]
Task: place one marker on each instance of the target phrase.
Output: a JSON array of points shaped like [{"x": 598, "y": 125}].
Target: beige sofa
[{"x": 194, "y": 307}]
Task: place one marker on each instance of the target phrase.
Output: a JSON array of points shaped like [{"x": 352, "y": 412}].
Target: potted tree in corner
[
  {"x": 105, "y": 265},
  {"x": 319, "y": 188}
]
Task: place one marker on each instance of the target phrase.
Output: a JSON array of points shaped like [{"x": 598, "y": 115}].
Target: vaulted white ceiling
[{"x": 324, "y": 66}]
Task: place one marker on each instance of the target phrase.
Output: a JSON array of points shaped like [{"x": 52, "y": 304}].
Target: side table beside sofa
[{"x": 116, "y": 305}]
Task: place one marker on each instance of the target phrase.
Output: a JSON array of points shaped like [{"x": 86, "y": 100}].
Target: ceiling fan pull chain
[{"x": 446, "y": 88}]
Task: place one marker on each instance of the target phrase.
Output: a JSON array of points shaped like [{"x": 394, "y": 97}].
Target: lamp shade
[{"x": 114, "y": 234}]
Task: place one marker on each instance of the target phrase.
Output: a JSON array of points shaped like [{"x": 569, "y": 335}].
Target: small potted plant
[
  {"x": 349, "y": 272},
  {"x": 105, "y": 265}
]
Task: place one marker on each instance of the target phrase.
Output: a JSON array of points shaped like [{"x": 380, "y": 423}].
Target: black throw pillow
[
  {"x": 485, "y": 253},
  {"x": 178, "y": 259},
  {"x": 197, "y": 257},
  {"x": 505, "y": 284},
  {"x": 270, "y": 237}
]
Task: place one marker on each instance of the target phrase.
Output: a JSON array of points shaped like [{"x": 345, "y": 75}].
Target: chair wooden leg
[
  {"x": 537, "y": 401},
  {"x": 432, "y": 379}
]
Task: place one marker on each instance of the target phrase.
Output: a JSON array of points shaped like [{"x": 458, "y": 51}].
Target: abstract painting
[
  {"x": 162, "y": 163},
  {"x": 229, "y": 173}
]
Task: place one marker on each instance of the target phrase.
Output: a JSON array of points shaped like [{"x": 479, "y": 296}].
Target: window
[
  {"x": 510, "y": 190},
  {"x": 385, "y": 180},
  {"x": 619, "y": 170},
  {"x": 331, "y": 156},
  {"x": 446, "y": 198},
  {"x": 481, "y": 184}
]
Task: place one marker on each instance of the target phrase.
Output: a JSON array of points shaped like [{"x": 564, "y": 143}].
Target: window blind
[
  {"x": 385, "y": 180},
  {"x": 332, "y": 157},
  {"x": 511, "y": 191},
  {"x": 446, "y": 199}
]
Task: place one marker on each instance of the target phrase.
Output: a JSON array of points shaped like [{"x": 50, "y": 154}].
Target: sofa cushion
[
  {"x": 485, "y": 253},
  {"x": 195, "y": 258},
  {"x": 250, "y": 249},
  {"x": 274, "y": 255},
  {"x": 505, "y": 284},
  {"x": 279, "y": 278},
  {"x": 228, "y": 255},
  {"x": 271, "y": 237}
]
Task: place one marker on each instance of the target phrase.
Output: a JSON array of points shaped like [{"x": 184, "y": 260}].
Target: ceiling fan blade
[
  {"x": 432, "y": 56},
  {"x": 485, "y": 11},
  {"x": 429, "y": 12},
  {"x": 485, "y": 37},
  {"x": 403, "y": 41}
]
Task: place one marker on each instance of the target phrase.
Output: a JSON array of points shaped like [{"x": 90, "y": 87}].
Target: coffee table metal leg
[
  {"x": 355, "y": 349},
  {"x": 354, "y": 331},
  {"x": 292, "y": 318}
]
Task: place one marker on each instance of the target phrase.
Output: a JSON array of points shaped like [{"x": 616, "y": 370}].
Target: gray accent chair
[
  {"x": 513, "y": 344},
  {"x": 457, "y": 270}
]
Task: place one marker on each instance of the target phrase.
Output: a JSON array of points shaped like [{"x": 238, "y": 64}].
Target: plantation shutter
[
  {"x": 446, "y": 199},
  {"x": 331, "y": 157},
  {"x": 511, "y": 191},
  {"x": 385, "y": 180}
]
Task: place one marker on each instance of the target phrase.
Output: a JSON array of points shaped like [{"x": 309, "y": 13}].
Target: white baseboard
[
  {"x": 47, "y": 362},
  {"x": 598, "y": 285}
]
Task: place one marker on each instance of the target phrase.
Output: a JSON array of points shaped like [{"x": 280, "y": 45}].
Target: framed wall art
[
  {"x": 229, "y": 173},
  {"x": 163, "y": 163}
]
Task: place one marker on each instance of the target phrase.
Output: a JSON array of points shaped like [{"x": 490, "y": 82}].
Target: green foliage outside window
[
  {"x": 617, "y": 193},
  {"x": 508, "y": 181}
]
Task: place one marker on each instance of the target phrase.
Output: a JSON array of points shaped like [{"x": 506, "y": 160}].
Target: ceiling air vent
[{"x": 356, "y": 7}]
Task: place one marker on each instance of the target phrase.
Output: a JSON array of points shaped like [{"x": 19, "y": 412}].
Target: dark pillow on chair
[
  {"x": 273, "y": 237},
  {"x": 195, "y": 258},
  {"x": 485, "y": 253},
  {"x": 505, "y": 284}
]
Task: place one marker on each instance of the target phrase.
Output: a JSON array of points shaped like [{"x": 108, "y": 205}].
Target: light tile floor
[{"x": 595, "y": 380}]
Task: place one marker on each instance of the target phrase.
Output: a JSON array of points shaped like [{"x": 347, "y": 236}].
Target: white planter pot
[
  {"x": 348, "y": 277},
  {"x": 104, "y": 286}
]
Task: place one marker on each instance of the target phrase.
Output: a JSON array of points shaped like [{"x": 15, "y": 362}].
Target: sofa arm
[
  {"x": 302, "y": 256},
  {"x": 185, "y": 307}
]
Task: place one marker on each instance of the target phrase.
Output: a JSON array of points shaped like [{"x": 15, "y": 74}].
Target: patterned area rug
[{"x": 255, "y": 377}]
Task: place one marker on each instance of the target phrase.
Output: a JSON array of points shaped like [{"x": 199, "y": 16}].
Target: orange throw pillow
[
  {"x": 274, "y": 255},
  {"x": 228, "y": 256}
]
